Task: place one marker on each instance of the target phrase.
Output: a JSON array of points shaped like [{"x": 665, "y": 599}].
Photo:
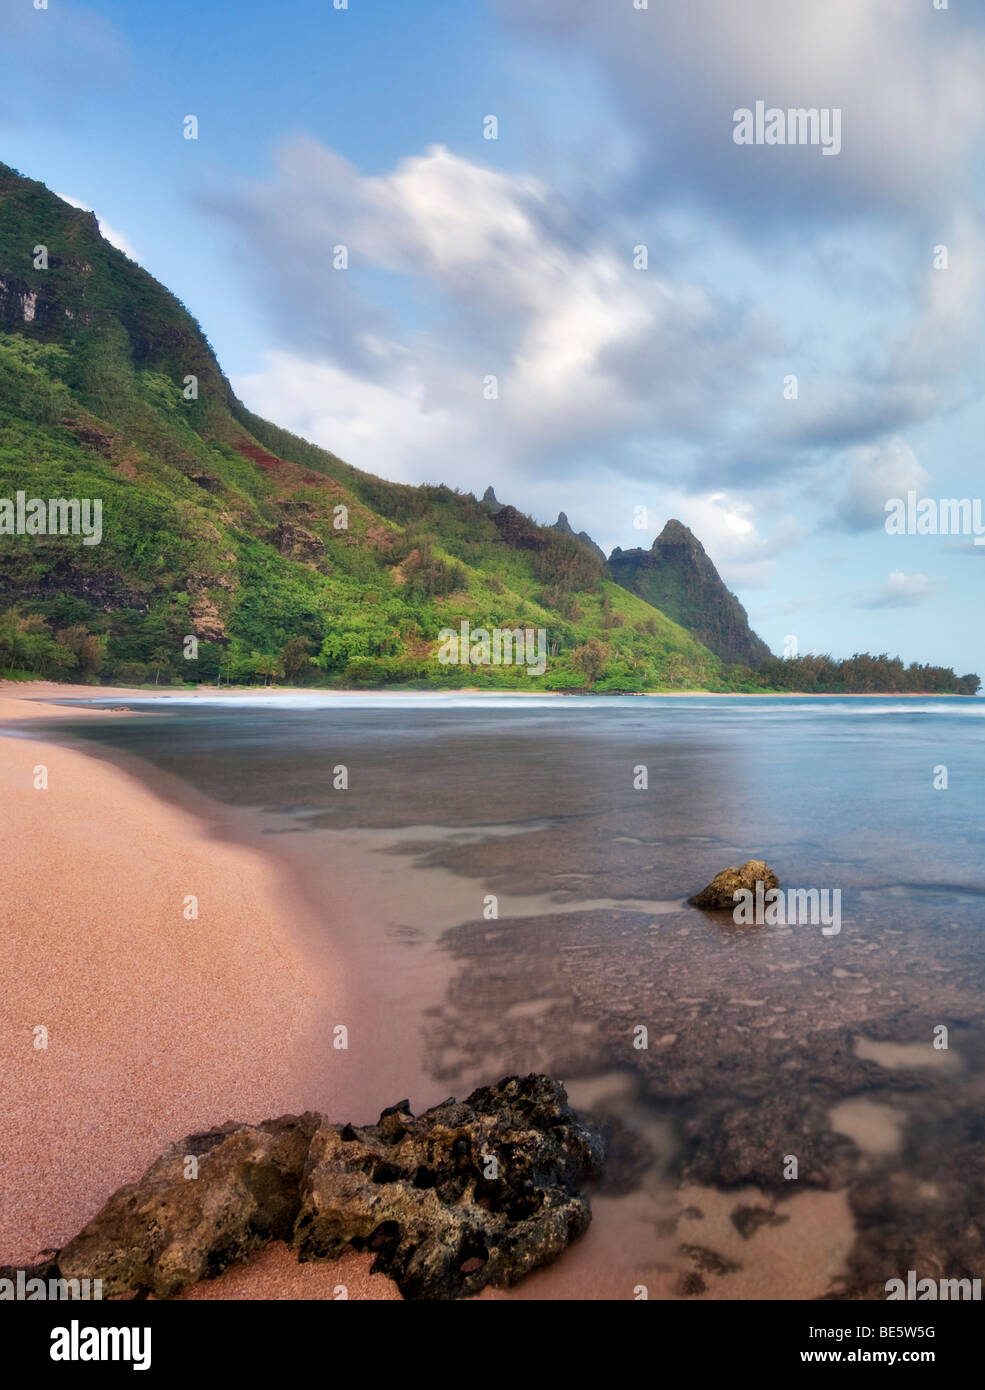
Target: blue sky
[{"x": 618, "y": 388}]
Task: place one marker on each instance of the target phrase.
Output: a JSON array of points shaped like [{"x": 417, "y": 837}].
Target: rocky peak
[
  {"x": 676, "y": 533},
  {"x": 677, "y": 576},
  {"x": 564, "y": 527}
]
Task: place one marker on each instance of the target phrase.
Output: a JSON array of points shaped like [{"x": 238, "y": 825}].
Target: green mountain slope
[
  {"x": 677, "y": 576},
  {"x": 277, "y": 557}
]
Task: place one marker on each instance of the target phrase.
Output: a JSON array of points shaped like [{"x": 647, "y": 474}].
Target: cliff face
[
  {"x": 676, "y": 576},
  {"x": 280, "y": 558}
]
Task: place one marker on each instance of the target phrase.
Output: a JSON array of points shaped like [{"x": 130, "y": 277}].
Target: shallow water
[{"x": 763, "y": 1044}]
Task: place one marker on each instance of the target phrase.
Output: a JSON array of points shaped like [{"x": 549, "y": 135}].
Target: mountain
[
  {"x": 490, "y": 502},
  {"x": 564, "y": 526},
  {"x": 275, "y": 556},
  {"x": 676, "y": 576}
]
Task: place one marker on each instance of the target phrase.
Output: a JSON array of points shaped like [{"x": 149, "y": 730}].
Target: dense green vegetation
[
  {"x": 232, "y": 550},
  {"x": 860, "y": 674},
  {"x": 280, "y": 560}
]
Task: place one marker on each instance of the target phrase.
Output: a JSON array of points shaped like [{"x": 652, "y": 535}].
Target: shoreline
[
  {"x": 121, "y": 1111},
  {"x": 30, "y": 692},
  {"x": 157, "y": 1025},
  {"x": 132, "y": 1066},
  {"x": 157, "y": 1055}
]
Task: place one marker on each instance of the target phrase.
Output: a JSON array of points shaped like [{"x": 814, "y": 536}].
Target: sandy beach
[
  {"x": 159, "y": 1024},
  {"x": 124, "y": 1023}
]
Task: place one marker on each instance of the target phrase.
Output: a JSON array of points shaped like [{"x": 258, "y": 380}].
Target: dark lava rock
[
  {"x": 46, "y": 1268},
  {"x": 166, "y": 1231},
  {"x": 464, "y": 1195},
  {"x": 721, "y": 891}
]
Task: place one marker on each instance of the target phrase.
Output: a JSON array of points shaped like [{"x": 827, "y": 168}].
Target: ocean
[{"x": 791, "y": 1111}]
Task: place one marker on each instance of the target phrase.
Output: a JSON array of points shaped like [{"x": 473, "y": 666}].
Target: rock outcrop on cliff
[
  {"x": 564, "y": 526},
  {"x": 218, "y": 524}
]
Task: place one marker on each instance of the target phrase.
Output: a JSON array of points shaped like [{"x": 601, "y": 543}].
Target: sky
[{"x": 612, "y": 308}]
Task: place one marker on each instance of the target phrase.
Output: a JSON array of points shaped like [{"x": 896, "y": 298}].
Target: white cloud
[
  {"x": 575, "y": 336},
  {"x": 946, "y": 328},
  {"x": 907, "y": 78},
  {"x": 902, "y": 591},
  {"x": 728, "y": 528},
  {"x": 388, "y": 427},
  {"x": 613, "y": 382},
  {"x": 878, "y": 473}
]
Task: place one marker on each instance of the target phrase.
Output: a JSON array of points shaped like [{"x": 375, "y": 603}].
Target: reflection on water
[{"x": 512, "y": 902}]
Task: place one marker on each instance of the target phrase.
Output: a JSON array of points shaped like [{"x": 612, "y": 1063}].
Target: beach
[
  {"x": 157, "y": 1024},
  {"x": 366, "y": 906}
]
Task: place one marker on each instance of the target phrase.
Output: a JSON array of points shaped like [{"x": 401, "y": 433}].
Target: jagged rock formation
[
  {"x": 676, "y": 576},
  {"x": 218, "y": 523},
  {"x": 467, "y": 1194},
  {"x": 721, "y": 891},
  {"x": 564, "y": 526}
]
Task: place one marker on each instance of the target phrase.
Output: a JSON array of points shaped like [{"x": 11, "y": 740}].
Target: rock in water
[
  {"x": 721, "y": 890},
  {"x": 462, "y": 1196},
  {"x": 465, "y": 1195}
]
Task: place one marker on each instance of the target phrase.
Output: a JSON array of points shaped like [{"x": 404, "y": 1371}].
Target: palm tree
[{"x": 160, "y": 656}]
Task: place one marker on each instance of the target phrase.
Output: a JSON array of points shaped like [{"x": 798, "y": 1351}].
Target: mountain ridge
[
  {"x": 275, "y": 555},
  {"x": 232, "y": 549}
]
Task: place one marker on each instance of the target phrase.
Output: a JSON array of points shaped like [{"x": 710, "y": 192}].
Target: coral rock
[
  {"x": 464, "y": 1195},
  {"x": 720, "y": 892}
]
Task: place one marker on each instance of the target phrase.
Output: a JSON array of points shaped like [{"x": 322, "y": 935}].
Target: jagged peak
[
  {"x": 678, "y": 576},
  {"x": 676, "y": 533},
  {"x": 564, "y": 528}
]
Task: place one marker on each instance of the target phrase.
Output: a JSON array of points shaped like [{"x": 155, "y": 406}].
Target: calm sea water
[{"x": 512, "y": 900}]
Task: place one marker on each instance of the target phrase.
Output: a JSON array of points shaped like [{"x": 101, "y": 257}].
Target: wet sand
[
  {"x": 758, "y": 1042},
  {"x": 155, "y": 1024}
]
